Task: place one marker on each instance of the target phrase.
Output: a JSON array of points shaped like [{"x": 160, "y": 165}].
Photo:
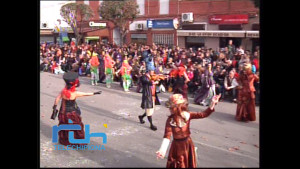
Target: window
[
  {"x": 162, "y": 39},
  {"x": 163, "y": 7},
  {"x": 141, "y": 4}
]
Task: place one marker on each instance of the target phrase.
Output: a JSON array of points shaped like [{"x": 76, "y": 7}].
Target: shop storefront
[
  {"x": 91, "y": 39},
  {"x": 162, "y": 31},
  {"x": 139, "y": 39},
  {"x": 218, "y": 30},
  {"x": 153, "y": 31},
  {"x": 46, "y": 36},
  {"x": 254, "y": 37},
  {"x": 229, "y": 23},
  {"x": 95, "y": 31},
  {"x": 194, "y": 42},
  {"x": 210, "y": 39},
  {"x": 64, "y": 34},
  {"x": 138, "y": 32}
]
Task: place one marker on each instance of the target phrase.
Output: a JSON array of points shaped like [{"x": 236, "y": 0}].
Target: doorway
[
  {"x": 194, "y": 42},
  {"x": 255, "y": 43},
  {"x": 225, "y": 40}
]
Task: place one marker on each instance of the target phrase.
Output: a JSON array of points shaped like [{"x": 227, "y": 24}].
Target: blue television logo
[{"x": 88, "y": 135}]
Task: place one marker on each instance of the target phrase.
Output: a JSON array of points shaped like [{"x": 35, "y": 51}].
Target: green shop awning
[{"x": 92, "y": 38}]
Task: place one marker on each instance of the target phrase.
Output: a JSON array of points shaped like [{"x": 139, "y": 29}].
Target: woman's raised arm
[{"x": 80, "y": 94}]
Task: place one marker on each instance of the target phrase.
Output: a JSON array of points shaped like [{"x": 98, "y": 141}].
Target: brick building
[
  {"x": 209, "y": 23},
  {"x": 96, "y": 29}
]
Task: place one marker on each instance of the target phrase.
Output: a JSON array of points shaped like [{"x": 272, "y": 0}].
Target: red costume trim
[
  {"x": 67, "y": 92},
  {"x": 181, "y": 71}
]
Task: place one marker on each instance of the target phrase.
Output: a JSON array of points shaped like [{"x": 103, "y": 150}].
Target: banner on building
[
  {"x": 252, "y": 34},
  {"x": 160, "y": 23},
  {"x": 228, "y": 19},
  {"x": 237, "y": 34}
]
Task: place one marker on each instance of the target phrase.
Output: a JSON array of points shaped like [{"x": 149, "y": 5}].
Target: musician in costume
[
  {"x": 69, "y": 108},
  {"x": 149, "y": 96},
  {"x": 182, "y": 151},
  {"x": 245, "y": 110}
]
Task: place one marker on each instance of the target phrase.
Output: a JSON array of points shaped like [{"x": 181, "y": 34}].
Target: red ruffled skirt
[
  {"x": 245, "y": 110},
  {"x": 63, "y": 135}
]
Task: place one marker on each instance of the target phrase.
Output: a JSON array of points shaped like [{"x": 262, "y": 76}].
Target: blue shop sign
[{"x": 160, "y": 23}]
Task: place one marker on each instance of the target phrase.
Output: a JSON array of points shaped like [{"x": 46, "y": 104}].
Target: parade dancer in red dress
[
  {"x": 69, "y": 108},
  {"x": 182, "y": 151},
  {"x": 245, "y": 110}
]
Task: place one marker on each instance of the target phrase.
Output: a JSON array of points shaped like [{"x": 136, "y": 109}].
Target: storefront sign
[
  {"x": 212, "y": 33},
  {"x": 228, "y": 19},
  {"x": 92, "y": 24},
  {"x": 160, "y": 23},
  {"x": 252, "y": 34}
]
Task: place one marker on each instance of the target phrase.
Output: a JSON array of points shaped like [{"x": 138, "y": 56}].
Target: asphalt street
[{"x": 221, "y": 140}]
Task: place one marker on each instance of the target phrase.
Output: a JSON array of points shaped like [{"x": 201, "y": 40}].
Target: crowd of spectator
[{"x": 226, "y": 63}]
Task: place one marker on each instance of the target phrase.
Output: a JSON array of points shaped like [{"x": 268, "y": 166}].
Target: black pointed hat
[{"x": 70, "y": 77}]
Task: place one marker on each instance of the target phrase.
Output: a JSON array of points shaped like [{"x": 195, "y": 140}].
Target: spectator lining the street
[
  {"x": 161, "y": 58},
  {"x": 207, "y": 90},
  {"x": 230, "y": 85}
]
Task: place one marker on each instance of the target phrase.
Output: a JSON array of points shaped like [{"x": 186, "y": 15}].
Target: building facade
[
  {"x": 96, "y": 29},
  {"x": 184, "y": 23},
  {"x": 196, "y": 23}
]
